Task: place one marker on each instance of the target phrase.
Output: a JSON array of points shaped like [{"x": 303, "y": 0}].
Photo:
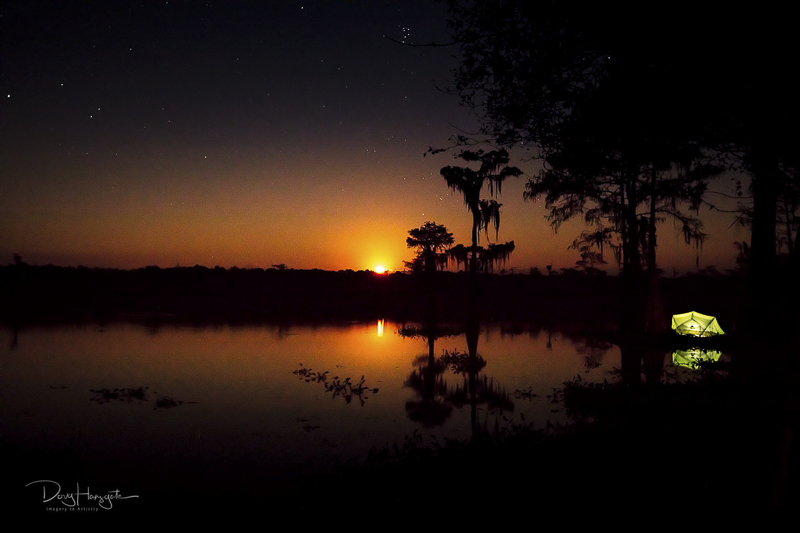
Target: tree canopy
[
  {"x": 624, "y": 104},
  {"x": 599, "y": 93},
  {"x": 493, "y": 171},
  {"x": 431, "y": 241}
]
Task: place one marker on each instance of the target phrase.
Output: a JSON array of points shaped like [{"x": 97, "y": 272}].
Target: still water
[{"x": 182, "y": 405}]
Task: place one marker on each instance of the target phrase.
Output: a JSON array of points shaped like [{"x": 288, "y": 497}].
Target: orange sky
[{"x": 246, "y": 135}]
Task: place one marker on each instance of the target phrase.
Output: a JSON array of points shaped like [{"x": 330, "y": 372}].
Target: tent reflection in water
[
  {"x": 696, "y": 324},
  {"x": 695, "y": 357}
]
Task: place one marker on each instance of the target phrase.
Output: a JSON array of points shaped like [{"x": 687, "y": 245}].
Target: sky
[{"x": 249, "y": 134}]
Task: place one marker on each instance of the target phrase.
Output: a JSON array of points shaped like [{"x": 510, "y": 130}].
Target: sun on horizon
[{"x": 379, "y": 269}]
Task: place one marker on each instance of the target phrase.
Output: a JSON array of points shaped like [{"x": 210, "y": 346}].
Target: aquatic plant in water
[
  {"x": 526, "y": 394},
  {"x": 344, "y": 388},
  {"x": 462, "y": 363},
  {"x": 130, "y": 394},
  {"x": 123, "y": 395}
]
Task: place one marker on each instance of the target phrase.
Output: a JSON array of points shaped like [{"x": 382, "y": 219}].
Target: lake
[{"x": 206, "y": 408}]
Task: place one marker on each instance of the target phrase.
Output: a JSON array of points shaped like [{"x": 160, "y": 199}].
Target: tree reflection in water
[
  {"x": 431, "y": 408},
  {"x": 435, "y": 398}
]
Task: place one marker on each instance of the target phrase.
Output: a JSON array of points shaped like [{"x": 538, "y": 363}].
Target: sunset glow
[
  {"x": 110, "y": 162},
  {"x": 300, "y": 257}
]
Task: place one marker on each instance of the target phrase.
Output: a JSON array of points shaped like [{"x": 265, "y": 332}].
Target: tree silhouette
[
  {"x": 431, "y": 241},
  {"x": 494, "y": 254},
  {"x": 469, "y": 182},
  {"x": 613, "y": 109}
]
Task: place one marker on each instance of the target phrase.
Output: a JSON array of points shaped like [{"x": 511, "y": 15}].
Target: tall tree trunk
[
  {"x": 651, "y": 237},
  {"x": 655, "y": 320},
  {"x": 634, "y": 257},
  {"x": 788, "y": 214},
  {"x": 794, "y": 257},
  {"x": 759, "y": 312},
  {"x": 623, "y": 227},
  {"x": 476, "y": 223},
  {"x": 635, "y": 306}
]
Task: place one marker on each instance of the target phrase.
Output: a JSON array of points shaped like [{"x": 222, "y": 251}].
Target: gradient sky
[{"x": 246, "y": 134}]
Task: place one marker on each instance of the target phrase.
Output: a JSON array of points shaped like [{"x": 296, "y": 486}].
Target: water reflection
[
  {"x": 435, "y": 396},
  {"x": 431, "y": 407},
  {"x": 248, "y": 407},
  {"x": 695, "y": 357}
]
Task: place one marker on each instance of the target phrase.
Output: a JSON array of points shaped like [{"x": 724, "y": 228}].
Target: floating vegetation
[
  {"x": 336, "y": 386},
  {"x": 558, "y": 394},
  {"x": 130, "y": 394},
  {"x": 526, "y": 394},
  {"x": 167, "y": 402},
  {"x": 590, "y": 364},
  {"x": 123, "y": 395},
  {"x": 307, "y": 425},
  {"x": 462, "y": 363}
]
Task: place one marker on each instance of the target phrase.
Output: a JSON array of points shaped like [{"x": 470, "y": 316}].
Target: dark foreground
[
  {"x": 716, "y": 445},
  {"x": 723, "y": 444}
]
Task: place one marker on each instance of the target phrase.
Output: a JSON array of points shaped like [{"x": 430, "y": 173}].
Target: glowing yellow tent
[{"x": 696, "y": 324}]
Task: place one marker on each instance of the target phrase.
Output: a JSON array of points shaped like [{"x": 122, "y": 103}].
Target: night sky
[{"x": 247, "y": 134}]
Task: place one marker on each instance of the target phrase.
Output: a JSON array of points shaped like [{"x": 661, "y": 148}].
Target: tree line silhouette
[
  {"x": 51, "y": 293},
  {"x": 632, "y": 112}
]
